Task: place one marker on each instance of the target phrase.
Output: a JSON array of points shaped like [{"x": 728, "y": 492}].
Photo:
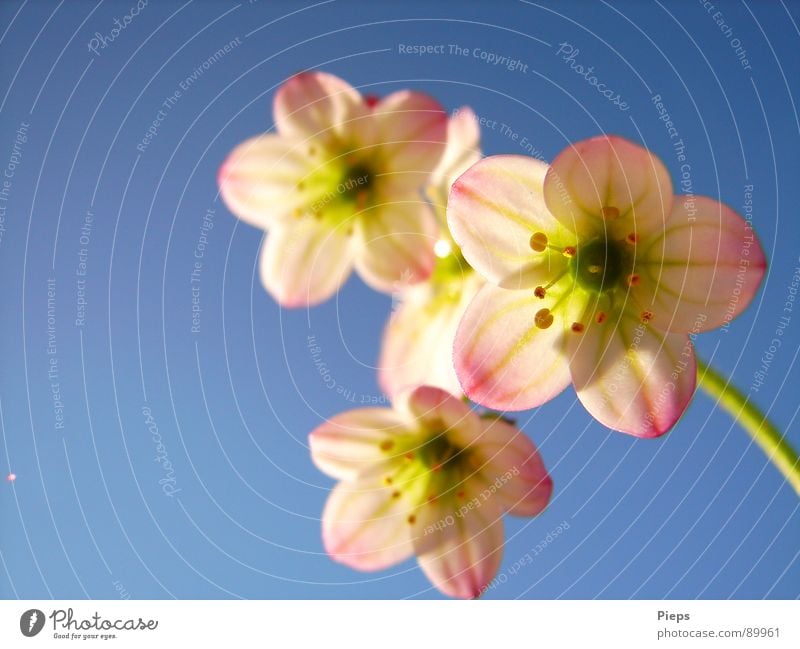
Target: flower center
[
  {"x": 356, "y": 181},
  {"x": 600, "y": 265}
]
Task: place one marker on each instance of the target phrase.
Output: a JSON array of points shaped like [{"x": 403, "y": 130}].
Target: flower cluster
[{"x": 514, "y": 279}]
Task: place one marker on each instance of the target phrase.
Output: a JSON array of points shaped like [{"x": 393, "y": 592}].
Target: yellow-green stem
[{"x": 758, "y": 426}]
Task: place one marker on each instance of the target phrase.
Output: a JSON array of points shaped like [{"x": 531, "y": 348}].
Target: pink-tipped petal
[
  {"x": 417, "y": 347},
  {"x": 703, "y": 270},
  {"x": 258, "y": 181},
  {"x": 317, "y": 106},
  {"x": 461, "y": 152},
  {"x": 609, "y": 184},
  {"x": 632, "y": 377},
  {"x": 511, "y": 468},
  {"x": 411, "y": 131},
  {"x": 365, "y": 527},
  {"x": 493, "y": 209},
  {"x": 305, "y": 262},
  {"x": 358, "y": 443},
  {"x": 503, "y": 360},
  {"x": 439, "y": 411},
  {"x": 396, "y": 242},
  {"x": 468, "y": 553}
]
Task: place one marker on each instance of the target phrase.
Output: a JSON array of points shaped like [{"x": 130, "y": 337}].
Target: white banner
[{"x": 389, "y": 624}]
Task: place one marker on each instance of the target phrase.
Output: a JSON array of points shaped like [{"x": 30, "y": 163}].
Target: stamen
[
  {"x": 388, "y": 480},
  {"x": 409, "y": 457},
  {"x": 601, "y": 317},
  {"x": 632, "y": 238},
  {"x": 647, "y": 316},
  {"x": 633, "y": 280},
  {"x": 569, "y": 252},
  {"x": 540, "y": 292},
  {"x": 395, "y": 494},
  {"x": 301, "y": 186},
  {"x": 460, "y": 495},
  {"x": 412, "y": 519},
  {"x": 577, "y": 327},
  {"x": 538, "y": 241},
  {"x": 595, "y": 269},
  {"x": 387, "y": 445},
  {"x": 543, "y": 318},
  {"x": 609, "y": 212}
]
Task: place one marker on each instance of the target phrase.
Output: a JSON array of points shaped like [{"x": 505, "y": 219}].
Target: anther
[
  {"x": 633, "y": 280},
  {"x": 387, "y": 445},
  {"x": 632, "y": 237},
  {"x": 395, "y": 494},
  {"x": 538, "y": 241},
  {"x": 412, "y": 519},
  {"x": 540, "y": 292},
  {"x": 610, "y": 212},
  {"x": 569, "y": 252},
  {"x": 543, "y": 318},
  {"x": 577, "y": 327},
  {"x": 601, "y": 317},
  {"x": 595, "y": 269},
  {"x": 388, "y": 480},
  {"x": 460, "y": 495},
  {"x": 409, "y": 457},
  {"x": 647, "y": 316}
]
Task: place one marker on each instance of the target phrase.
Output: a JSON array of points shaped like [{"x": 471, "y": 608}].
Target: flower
[
  {"x": 430, "y": 477},
  {"x": 338, "y": 187},
  {"x": 417, "y": 347},
  {"x": 598, "y": 276}
]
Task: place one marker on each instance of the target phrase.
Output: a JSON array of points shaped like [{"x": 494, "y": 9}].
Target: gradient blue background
[{"x": 698, "y": 513}]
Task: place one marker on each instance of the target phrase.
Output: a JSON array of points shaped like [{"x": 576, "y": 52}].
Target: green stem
[{"x": 762, "y": 430}]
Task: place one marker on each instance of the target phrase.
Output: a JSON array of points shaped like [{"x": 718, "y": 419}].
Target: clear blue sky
[{"x": 698, "y": 513}]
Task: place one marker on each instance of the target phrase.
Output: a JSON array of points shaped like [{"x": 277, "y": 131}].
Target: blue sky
[{"x": 161, "y": 462}]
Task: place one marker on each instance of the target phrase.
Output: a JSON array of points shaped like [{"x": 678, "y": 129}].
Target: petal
[
  {"x": 304, "y": 262},
  {"x": 463, "y": 150},
  {"x": 703, "y": 270},
  {"x": 468, "y": 552},
  {"x": 632, "y": 377},
  {"x": 502, "y": 359},
  {"x": 316, "y": 105},
  {"x": 417, "y": 347},
  {"x": 609, "y": 172},
  {"x": 358, "y": 443},
  {"x": 364, "y": 527},
  {"x": 438, "y": 410},
  {"x": 511, "y": 468},
  {"x": 258, "y": 181},
  {"x": 411, "y": 132},
  {"x": 492, "y": 211},
  {"x": 396, "y": 244}
]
